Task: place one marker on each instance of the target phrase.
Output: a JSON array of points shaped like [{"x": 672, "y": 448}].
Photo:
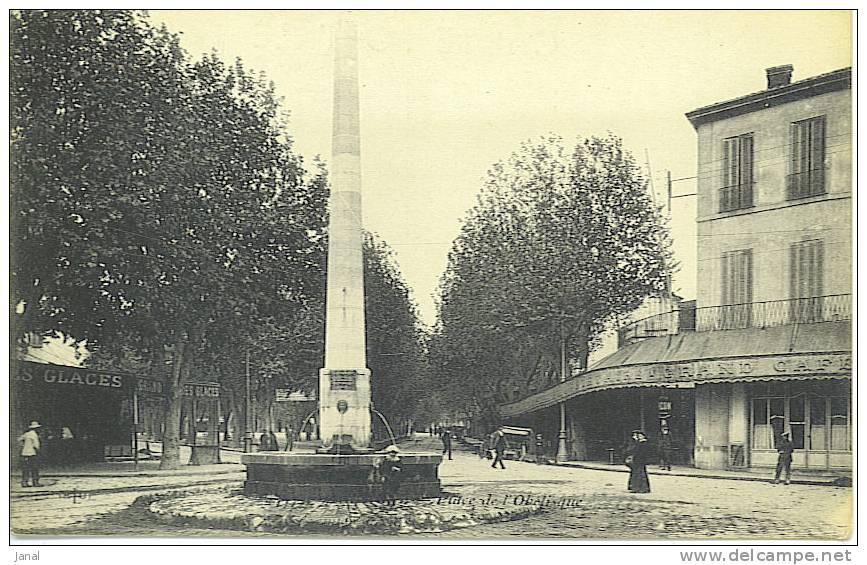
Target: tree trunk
[
  {"x": 171, "y": 458},
  {"x": 237, "y": 421}
]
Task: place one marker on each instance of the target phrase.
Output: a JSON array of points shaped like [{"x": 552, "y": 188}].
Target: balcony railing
[
  {"x": 834, "y": 308},
  {"x": 806, "y": 183},
  {"x": 736, "y": 197}
]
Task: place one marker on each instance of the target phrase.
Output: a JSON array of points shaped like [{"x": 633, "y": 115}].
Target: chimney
[{"x": 779, "y": 76}]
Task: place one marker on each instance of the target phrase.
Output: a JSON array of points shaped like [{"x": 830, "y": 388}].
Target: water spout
[{"x": 384, "y": 421}]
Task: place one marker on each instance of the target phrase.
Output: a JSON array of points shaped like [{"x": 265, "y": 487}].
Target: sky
[{"x": 446, "y": 94}]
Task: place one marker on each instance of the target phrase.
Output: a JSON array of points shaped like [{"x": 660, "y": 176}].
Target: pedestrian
[
  {"x": 268, "y": 441},
  {"x": 66, "y": 445},
  {"x": 446, "y": 438},
  {"x": 391, "y": 471},
  {"x": 665, "y": 450},
  {"x": 500, "y": 446},
  {"x": 636, "y": 459},
  {"x": 29, "y": 455},
  {"x": 290, "y": 439},
  {"x": 784, "y": 457},
  {"x": 540, "y": 450}
]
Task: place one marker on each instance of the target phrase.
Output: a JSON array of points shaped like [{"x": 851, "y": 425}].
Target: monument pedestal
[{"x": 331, "y": 477}]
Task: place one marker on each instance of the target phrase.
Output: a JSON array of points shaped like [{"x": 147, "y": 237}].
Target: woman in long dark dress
[{"x": 637, "y": 455}]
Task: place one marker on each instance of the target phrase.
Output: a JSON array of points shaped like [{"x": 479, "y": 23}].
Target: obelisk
[{"x": 344, "y": 382}]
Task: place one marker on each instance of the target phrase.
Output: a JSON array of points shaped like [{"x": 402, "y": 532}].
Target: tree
[
  {"x": 156, "y": 202},
  {"x": 395, "y": 353},
  {"x": 560, "y": 243}
]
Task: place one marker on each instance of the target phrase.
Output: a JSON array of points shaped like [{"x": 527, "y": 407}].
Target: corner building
[{"x": 766, "y": 346}]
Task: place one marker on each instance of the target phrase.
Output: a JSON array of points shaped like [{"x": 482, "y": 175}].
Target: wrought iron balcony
[
  {"x": 806, "y": 183},
  {"x": 736, "y": 197},
  {"x": 834, "y": 308}
]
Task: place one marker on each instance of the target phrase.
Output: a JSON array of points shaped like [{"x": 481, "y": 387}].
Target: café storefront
[
  {"x": 737, "y": 392},
  {"x": 85, "y": 414}
]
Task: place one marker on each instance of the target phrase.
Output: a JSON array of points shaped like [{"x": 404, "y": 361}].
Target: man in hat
[
  {"x": 500, "y": 446},
  {"x": 784, "y": 456},
  {"x": 29, "y": 441},
  {"x": 391, "y": 471}
]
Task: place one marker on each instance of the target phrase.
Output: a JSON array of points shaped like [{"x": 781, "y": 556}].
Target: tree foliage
[
  {"x": 156, "y": 201},
  {"x": 395, "y": 353},
  {"x": 561, "y": 242}
]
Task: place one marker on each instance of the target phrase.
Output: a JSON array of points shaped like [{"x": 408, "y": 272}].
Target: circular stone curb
[{"x": 228, "y": 508}]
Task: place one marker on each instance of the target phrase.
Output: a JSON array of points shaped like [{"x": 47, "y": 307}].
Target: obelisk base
[{"x": 344, "y": 410}]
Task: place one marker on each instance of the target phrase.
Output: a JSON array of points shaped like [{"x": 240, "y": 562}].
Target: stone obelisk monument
[
  {"x": 343, "y": 468},
  {"x": 344, "y": 382}
]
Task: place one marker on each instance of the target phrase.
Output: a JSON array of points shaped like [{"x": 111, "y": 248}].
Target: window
[
  {"x": 737, "y": 189},
  {"x": 807, "y": 175},
  {"x": 737, "y": 289},
  {"x": 840, "y": 437},
  {"x": 806, "y": 259},
  {"x": 818, "y": 423},
  {"x": 817, "y": 418}
]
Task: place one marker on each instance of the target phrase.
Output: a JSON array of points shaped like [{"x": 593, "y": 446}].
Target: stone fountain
[{"x": 343, "y": 468}]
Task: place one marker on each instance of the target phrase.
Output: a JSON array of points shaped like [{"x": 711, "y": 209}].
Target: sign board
[
  {"x": 288, "y": 395},
  {"x": 148, "y": 386},
  {"x": 343, "y": 379},
  {"x": 39, "y": 374},
  {"x": 675, "y": 374},
  {"x": 202, "y": 390}
]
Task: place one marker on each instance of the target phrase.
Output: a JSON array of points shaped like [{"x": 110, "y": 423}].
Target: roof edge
[{"x": 840, "y": 79}]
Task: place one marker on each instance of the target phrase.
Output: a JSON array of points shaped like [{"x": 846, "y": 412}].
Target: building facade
[{"x": 766, "y": 346}]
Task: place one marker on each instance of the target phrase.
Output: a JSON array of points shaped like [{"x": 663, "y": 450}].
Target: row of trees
[
  {"x": 161, "y": 215},
  {"x": 562, "y": 241}
]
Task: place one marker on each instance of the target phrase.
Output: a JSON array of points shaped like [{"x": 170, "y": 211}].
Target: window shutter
[
  {"x": 796, "y": 148},
  {"x": 748, "y": 275},
  {"x": 725, "y": 279},
  {"x": 746, "y": 180},
  {"x": 727, "y": 161},
  {"x": 793, "y": 271},
  {"x": 819, "y": 268},
  {"x": 817, "y": 156},
  {"x": 817, "y": 143}
]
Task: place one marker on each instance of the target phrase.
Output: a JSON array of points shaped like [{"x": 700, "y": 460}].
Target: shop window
[
  {"x": 761, "y": 426},
  {"x": 797, "y": 424},
  {"x": 840, "y": 440},
  {"x": 818, "y": 425}
]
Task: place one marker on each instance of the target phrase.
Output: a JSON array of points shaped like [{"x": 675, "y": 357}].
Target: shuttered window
[
  {"x": 807, "y": 175},
  {"x": 737, "y": 289},
  {"x": 806, "y": 273},
  {"x": 737, "y": 189}
]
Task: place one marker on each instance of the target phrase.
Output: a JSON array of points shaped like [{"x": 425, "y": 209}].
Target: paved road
[{"x": 583, "y": 503}]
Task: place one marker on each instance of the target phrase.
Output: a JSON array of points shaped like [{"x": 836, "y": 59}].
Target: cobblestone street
[{"x": 580, "y": 504}]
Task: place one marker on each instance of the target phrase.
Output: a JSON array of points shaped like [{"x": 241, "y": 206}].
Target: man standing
[
  {"x": 784, "y": 457},
  {"x": 447, "y": 442},
  {"x": 391, "y": 470},
  {"x": 29, "y": 451},
  {"x": 290, "y": 439},
  {"x": 665, "y": 450},
  {"x": 540, "y": 450},
  {"x": 500, "y": 446}
]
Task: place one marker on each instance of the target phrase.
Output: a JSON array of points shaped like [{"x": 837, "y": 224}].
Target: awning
[{"x": 672, "y": 361}]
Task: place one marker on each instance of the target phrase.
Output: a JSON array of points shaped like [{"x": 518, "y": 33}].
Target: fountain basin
[{"x": 333, "y": 477}]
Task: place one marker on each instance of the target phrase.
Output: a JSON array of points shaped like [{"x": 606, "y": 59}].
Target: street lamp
[
  {"x": 248, "y": 433},
  {"x": 561, "y": 444}
]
